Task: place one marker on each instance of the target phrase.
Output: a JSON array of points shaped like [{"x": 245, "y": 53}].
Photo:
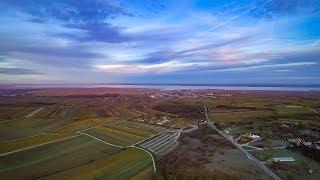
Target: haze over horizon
[{"x": 203, "y": 41}]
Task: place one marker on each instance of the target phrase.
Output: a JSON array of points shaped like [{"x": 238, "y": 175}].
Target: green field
[
  {"x": 27, "y": 142},
  {"x": 128, "y": 164},
  {"x": 103, "y": 127},
  {"x": 123, "y": 165},
  {"x": 81, "y": 156},
  {"x": 292, "y": 110},
  {"x": 114, "y": 136},
  {"x": 124, "y": 133},
  {"x": 236, "y": 116},
  {"x": 299, "y": 169},
  {"x": 24, "y": 127},
  {"x": 142, "y": 127}
]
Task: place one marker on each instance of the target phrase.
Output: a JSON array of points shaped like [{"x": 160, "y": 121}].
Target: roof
[{"x": 282, "y": 159}]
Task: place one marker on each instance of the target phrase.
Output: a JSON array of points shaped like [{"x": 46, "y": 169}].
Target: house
[{"x": 283, "y": 159}]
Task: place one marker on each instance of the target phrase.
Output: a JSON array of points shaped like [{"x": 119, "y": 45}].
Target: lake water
[{"x": 174, "y": 87}]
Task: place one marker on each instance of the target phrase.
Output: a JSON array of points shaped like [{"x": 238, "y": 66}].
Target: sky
[{"x": 160, "y": 41}]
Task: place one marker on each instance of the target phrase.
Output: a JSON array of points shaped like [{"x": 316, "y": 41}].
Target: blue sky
[{"x": 159, "y": 41}]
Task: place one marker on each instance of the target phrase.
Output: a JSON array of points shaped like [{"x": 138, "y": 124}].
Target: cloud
[
  {"x": 103, "y": 39},
  {"x": 167, "y": 55},
  {"x": 71, "y": 11},
  {"x": 170, "y": 66},
  {"x": 264, "y": 66},
  {"x": 284, "y": 7},
  {"x": 18, "y": 71},
  {"x": 99, "y": 32},
  {"x": 283, "y": 70},
  {"x": 266, "y": 9},
  {"x": 87, "y": 15},
  {"x": 55, "y": 53}
]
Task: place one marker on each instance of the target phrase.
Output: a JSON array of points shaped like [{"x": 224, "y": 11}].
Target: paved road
[
  {"x": 313, "y": 110},
  {"x": 261, "y": 165}
]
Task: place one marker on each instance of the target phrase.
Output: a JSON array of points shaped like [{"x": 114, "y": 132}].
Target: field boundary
[
  {"x": 18, "y": 139},
  {"x": 38, "y": 145},
  {"x": 34, "y": 112},
  {"x": 131, "y": 146},
  {"x": 93, "y": 127},
  {"x": 100, "y": 140},
  {"x": 153, "y": 161}
]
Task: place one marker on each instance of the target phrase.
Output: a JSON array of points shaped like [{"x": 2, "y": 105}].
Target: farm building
[{"x": 283, "y": 159}]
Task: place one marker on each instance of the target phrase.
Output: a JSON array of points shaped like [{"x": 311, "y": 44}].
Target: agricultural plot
[
  {"x": 114, "y": 136},
  {"x": 23, "y": 127},
  {"x": 126, "y": 164},
  {"x": 161, "y": 143},
  {"x": 15, "y": 112},
  {"x": 54, "y": 158},
  {"x": 300, "y": 168},
  {"x": 144, "y": 127},
  {"x": 51, "y": 112},
  {"x": 37, "y": 120},
  {"x": 85, "y": 124},
  {"x": 124, "y": 133},
  {"x": 296, "y": 121},
  {"x": 34, "y": 112},
  {"x": 181, "y": 122},
  {"x": 237, "y": 116},
  {"x": 293, "y": 110},
  {"x": 12, "y": 145}
]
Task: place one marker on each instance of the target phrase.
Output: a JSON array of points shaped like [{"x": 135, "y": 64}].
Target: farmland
[
  {"x": 101, "y": 134},
  {"x": 203, "y": 154},
  {"x": 161, "y": 143},
  {"x": 291, "y": 170},
  {"x": 79, "y": 155}
]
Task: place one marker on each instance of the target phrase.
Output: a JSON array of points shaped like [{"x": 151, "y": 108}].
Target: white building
[{"x": 283, "y": 159}]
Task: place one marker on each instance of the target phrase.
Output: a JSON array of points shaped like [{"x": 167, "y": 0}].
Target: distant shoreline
[
  {"x": 169, "y": 84},
  {"x": 259, "y": 87}
]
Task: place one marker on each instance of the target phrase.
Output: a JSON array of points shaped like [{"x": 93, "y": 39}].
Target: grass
[
  {"x": 43, "y": 153},
  {"x": 85, "y": 123},
  {"x": 15, "y": 112},
  {"x": 235, "y": 116},
  {"x": 160, "y": 113},
  {"x": 123, "y": 165},
  {"x": 293, "y": 110},
  {"x": 181, "y": 122},
  {"x": 114, "y": 136},
  {"x": 144, "y": 127},
  {"x": 23, "y": 143},
  {"x": 130, "y": 163},
  {"x": 125, "y": 133},
  {"x": 55, "y": 158},
  {"x": 291, "y": 170},
  {"x": 145, "y": 174},
  {"x": 8, "y": 132},
  {"x": 132, "y": 130},
  {"x": 296, "y": 121}
]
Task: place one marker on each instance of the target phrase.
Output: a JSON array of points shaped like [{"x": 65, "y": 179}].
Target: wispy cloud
[
  {"x": 18, "y": 71},
  {"x": 140, "y": 39},
  {"x": 265, "y": 66},
  {"x": 170, "y": 66}
]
